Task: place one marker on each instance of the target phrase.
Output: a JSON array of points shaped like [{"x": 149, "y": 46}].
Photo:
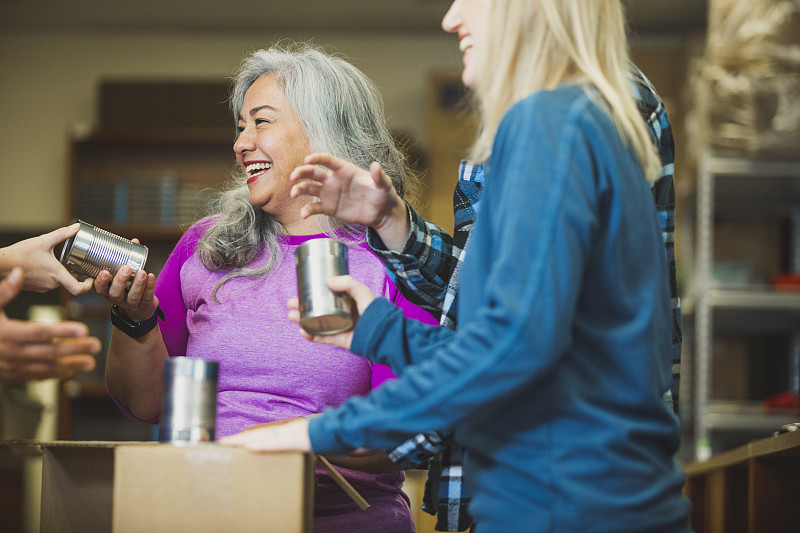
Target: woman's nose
[
  {"x": 450, "y": 21},
  {"x": 243, "y": 143}
]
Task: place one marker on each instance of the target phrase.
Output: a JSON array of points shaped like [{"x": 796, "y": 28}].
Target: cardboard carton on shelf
[{"x": 146, "y": 486}]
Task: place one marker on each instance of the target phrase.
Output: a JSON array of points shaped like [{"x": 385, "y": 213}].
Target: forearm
[
  {"x": 42, "y": 270},
  {"x": 425, "y": 264},
  {"x": 394, "y": 228},
  {"x": 134, "y": 372},
  {"x": 26, "y": 255},
  {"x": 385, "y": 336},
  {"x": 6, "y": 262}
]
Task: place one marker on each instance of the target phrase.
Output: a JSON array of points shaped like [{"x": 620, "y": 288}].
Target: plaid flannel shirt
[{"x": 427, "y": 273}]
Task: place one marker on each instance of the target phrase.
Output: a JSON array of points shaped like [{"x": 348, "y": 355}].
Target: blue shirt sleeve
[{"x": 527, "y": 301}]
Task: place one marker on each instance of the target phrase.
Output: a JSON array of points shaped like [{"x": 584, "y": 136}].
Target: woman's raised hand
[{"x": 342, "y": 190}]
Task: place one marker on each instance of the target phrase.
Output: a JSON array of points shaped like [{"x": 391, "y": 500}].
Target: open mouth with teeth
[
  {"x": 255, "y": 169},
  {"x": 465, "y": 43}
]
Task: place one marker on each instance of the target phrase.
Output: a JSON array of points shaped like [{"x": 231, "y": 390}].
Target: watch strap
[{"x": 134, "y": 329}]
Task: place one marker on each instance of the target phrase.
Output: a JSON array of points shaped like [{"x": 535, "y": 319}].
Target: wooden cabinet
[
  {"x": 146, "y": 181},
  {"x": 150, "y": 184},
  {"x": 751, "y": 489}
]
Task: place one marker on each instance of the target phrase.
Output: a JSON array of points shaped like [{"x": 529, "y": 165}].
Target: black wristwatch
[{"x": 134, "y": 329}]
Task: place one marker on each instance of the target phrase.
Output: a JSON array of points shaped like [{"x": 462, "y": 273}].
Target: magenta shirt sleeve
[
  {"x": 168, "y": 291},
  {"x": 382, "y": 373}
]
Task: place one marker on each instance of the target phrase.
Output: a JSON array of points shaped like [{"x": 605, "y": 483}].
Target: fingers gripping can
[
  {"x": 93, "y": 249},
  {"x": 322, "y": 311},
  {"x": 190, "y": 401}
]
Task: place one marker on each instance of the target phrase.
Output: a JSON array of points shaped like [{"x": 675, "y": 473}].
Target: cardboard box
[{"x": 125, "y": 487}]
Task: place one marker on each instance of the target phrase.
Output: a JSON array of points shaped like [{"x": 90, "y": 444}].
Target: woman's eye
[{"x": 260, "y": 121}]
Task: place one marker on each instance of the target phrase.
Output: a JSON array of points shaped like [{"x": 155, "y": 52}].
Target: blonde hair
[{"x": 545, "y": 42}]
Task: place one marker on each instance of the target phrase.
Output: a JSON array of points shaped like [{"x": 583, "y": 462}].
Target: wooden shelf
[
  {"x": 147, "y": 183},
  {"x": 159, "y": 136},
  {"x": 752, "y": 489},
  {"x": 142, "y": 232}
]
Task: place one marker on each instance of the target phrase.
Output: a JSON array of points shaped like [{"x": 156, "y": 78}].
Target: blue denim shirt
[
  {"x": 426, "y": 272},
  {"x": 553, "y": 380}
]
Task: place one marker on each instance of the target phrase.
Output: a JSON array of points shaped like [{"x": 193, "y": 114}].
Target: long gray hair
[{"x": 342, "y": 114}]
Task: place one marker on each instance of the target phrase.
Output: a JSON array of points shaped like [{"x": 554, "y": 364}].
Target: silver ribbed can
[
  {"x": 93, "y": 249},
  {"x": 322, "y": 311},
  {"x": 190, "y": 400}
]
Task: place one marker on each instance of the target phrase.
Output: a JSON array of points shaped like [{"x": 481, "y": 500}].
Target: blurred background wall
[
  {"x": 49, "y": 84},
  {"x": 54, "y": 54}
]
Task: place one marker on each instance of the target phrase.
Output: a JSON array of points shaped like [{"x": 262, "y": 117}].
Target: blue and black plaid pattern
[
  {"x": 663, "y": 189},
  {"x": 417, "y": 452},
  {"x": 427, "y": 273}
]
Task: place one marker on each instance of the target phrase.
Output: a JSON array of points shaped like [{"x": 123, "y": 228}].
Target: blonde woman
[{"x": 553, "y": 378}]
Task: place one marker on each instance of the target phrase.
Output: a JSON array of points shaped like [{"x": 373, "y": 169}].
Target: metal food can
[
  {"x": 92, "y": 250},
  {"x": 190, "y": 401},
  {"x": 322, "y": 311}
]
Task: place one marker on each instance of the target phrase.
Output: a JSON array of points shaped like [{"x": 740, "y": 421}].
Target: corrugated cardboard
[{"x": 125, "y": 487}]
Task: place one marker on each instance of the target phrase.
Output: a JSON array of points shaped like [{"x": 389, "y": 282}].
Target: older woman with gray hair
[{"x": 222, "y": 293}]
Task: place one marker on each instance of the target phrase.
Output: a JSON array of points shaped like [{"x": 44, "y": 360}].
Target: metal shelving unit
[{"x": 749, "y": 189}]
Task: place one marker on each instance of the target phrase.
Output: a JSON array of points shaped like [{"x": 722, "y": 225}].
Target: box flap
[
  {"x": 77, "y": 486},
  {"x": 211, "y": 488},
  {"x": 94, "y": 443}
]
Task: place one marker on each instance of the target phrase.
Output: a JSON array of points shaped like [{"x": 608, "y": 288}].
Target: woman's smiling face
[
  {"x": 270, "y": 144},
  {"x": 467, "y": 19}
]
